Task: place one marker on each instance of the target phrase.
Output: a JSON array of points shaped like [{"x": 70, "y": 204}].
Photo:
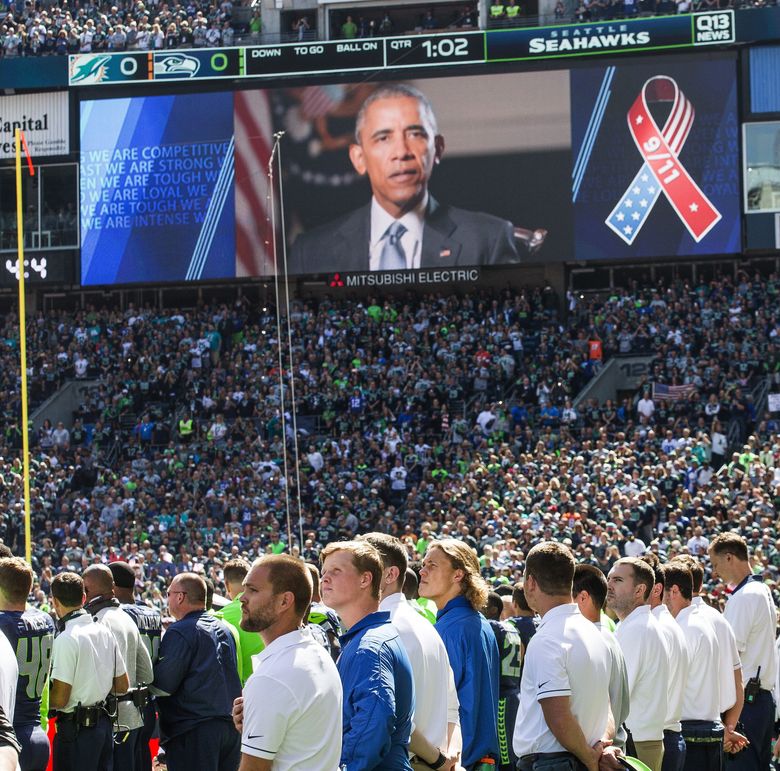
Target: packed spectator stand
[
  {"x": 33, "y": 29},
  {"x": 421, "y": 417}
]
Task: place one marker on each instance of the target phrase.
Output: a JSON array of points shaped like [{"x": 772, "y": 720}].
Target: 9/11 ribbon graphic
[{"x": 662, "y": 171}]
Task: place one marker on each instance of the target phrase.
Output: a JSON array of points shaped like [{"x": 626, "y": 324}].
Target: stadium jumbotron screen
[{"x": 638, "y": 159}]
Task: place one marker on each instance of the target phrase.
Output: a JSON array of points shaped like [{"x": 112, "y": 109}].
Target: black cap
[{"x": 124, "y": 576}]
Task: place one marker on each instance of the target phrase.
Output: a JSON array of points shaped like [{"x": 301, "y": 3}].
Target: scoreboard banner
[
  {"x": 629, "y": 160},
  {"x": 392, "y": 53}
]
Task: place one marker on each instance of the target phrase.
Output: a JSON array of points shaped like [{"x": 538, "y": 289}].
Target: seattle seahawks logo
[
  {"x": 86, "y": 70},
  {"x": 175, "y": 65}
]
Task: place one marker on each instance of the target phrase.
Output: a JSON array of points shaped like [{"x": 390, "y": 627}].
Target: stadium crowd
[
  {"x": 29, "y": 28},
  {"x": 437, "y": 420}
]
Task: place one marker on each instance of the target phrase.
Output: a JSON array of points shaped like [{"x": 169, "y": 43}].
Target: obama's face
[{"x": 398, "y": 149}]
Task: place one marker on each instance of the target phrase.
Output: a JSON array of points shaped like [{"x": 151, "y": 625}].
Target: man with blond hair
[
  {"x": 375, "y": 671},
  {"x": 450, "y": 577}
]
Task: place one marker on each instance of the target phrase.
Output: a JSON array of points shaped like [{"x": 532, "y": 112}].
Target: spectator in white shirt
[
  {"x": 436, "y": 739},
  {"x": 647, "y": 660},
  {"x": 646, "y": 407},
  {"x": 697, "y": 545},
  {"x": 634, "y": 547}
]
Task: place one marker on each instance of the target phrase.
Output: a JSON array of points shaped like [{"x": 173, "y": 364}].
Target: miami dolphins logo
[{"x": 88, "y": 69}]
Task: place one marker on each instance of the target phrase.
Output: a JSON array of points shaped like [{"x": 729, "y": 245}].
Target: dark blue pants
[
  {"x": 83, "y": 749},
  {"x": 701, "y": 753},
  {"x": 211, "y": 746},
  {"x": 758, "y": 719},
  {"x": 126, "y": 749},
  {"x": 35, "y": 748},
  {"x": 143, "y": 758},
  {"x": 674, "y": 751}
]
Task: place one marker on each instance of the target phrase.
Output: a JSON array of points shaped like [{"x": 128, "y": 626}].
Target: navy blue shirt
[
  {"x": 378, "y": 696},
  {"x": 197, "y": 667},
  {"x": 473, "y": 651},
  {"x": 31, "y": 634}
]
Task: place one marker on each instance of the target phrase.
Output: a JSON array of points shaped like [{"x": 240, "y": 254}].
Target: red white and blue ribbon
[{"x": 662, "y": 171}]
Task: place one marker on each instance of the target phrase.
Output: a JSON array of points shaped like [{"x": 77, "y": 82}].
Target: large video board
[{"x": 519, "y": 167}]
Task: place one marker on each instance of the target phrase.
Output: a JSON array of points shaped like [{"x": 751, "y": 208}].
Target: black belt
[{"x": 536, "y": 756}]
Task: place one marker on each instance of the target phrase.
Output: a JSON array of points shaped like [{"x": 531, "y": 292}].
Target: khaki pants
[{"x": 651, "y": 754}]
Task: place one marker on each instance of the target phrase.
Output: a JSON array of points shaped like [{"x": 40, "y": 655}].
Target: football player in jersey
[
  {"x": 511, "y": 650},
  {"x": 149, "y": 623},
  {"x": 31, "y": 634}
]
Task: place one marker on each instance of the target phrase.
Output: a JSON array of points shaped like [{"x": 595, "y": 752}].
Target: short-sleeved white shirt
[
  {"x": 9, "y": 674},
  {"x": 566, "y": 657},
  {"x": 751, "y": 613},
  {"x": 619, "y": 701},
  {"x": 86, "y": 657},
  {"x": 430, "y": 669},
  {"x": 727, "y": 647},
  {"x": 136, "y": 658},
  {"x": 702, "y": 691},
  {"x": 293, "y": 706},
  {"x": 678, "y": 665},
  {"x": 647, "y": 665}
]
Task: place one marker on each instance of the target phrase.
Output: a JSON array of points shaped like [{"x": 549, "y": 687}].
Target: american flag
[
  {"x": 253, "y": 142},
  {"x": 673, "y": 393}
]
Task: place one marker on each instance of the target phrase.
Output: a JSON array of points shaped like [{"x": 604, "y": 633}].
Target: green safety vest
[
  {"x": 496, "y": 10},
  {"x": 512, "y": 11},
  {"x": 185, "y": 427}
]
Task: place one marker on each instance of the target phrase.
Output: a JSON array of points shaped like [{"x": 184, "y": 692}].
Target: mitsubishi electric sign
[{"x": 44, "y": 120}]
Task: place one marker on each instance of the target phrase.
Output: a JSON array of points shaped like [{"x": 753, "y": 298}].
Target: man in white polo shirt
[
  {"x": 435, "y": 737},
  {"x": 564, "y": 696},
  {"x": 730, "y": 669},
  {"x": 700, "y": 718},
  {"x": 674, "y": 743},
  {"x": 751, "y": 613},
  {"x": 292, "y": 701},
  {"x": 647, "y": 660}
]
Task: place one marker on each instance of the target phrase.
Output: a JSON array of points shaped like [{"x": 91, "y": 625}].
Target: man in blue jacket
[
  {"x": 450, "y": 577},
  {"x": 374, "y": 668}
]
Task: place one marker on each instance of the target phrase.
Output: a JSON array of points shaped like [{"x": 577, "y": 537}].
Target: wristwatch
[{"x": 439, "y": 762}]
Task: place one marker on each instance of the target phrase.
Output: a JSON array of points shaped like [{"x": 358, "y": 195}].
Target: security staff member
[
  {"x": 86, "y": 669},
  {"x": 186, "y": 428},
  {"x": 196, "y": 678},
  {"x": 103, "y": 606},
  {"x": 751, "y": 613},
  {"x": 149, "y": 623}
]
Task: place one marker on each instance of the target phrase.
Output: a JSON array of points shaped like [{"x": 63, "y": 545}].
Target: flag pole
[{"x": 23, "y": 341}]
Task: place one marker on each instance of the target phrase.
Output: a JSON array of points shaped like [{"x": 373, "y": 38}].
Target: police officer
[
  {"x": 102, "y": 605},
  {"x": 196, "y": 678},
  {"x": 149, "y": 623},
  {"x": 31, "y": 633},
  {"x": 751, "y": 613},
  {"x": 87, "y": 668}
]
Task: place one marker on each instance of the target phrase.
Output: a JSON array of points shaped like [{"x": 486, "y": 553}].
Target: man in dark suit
[{"x": 397, "y": 146}]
